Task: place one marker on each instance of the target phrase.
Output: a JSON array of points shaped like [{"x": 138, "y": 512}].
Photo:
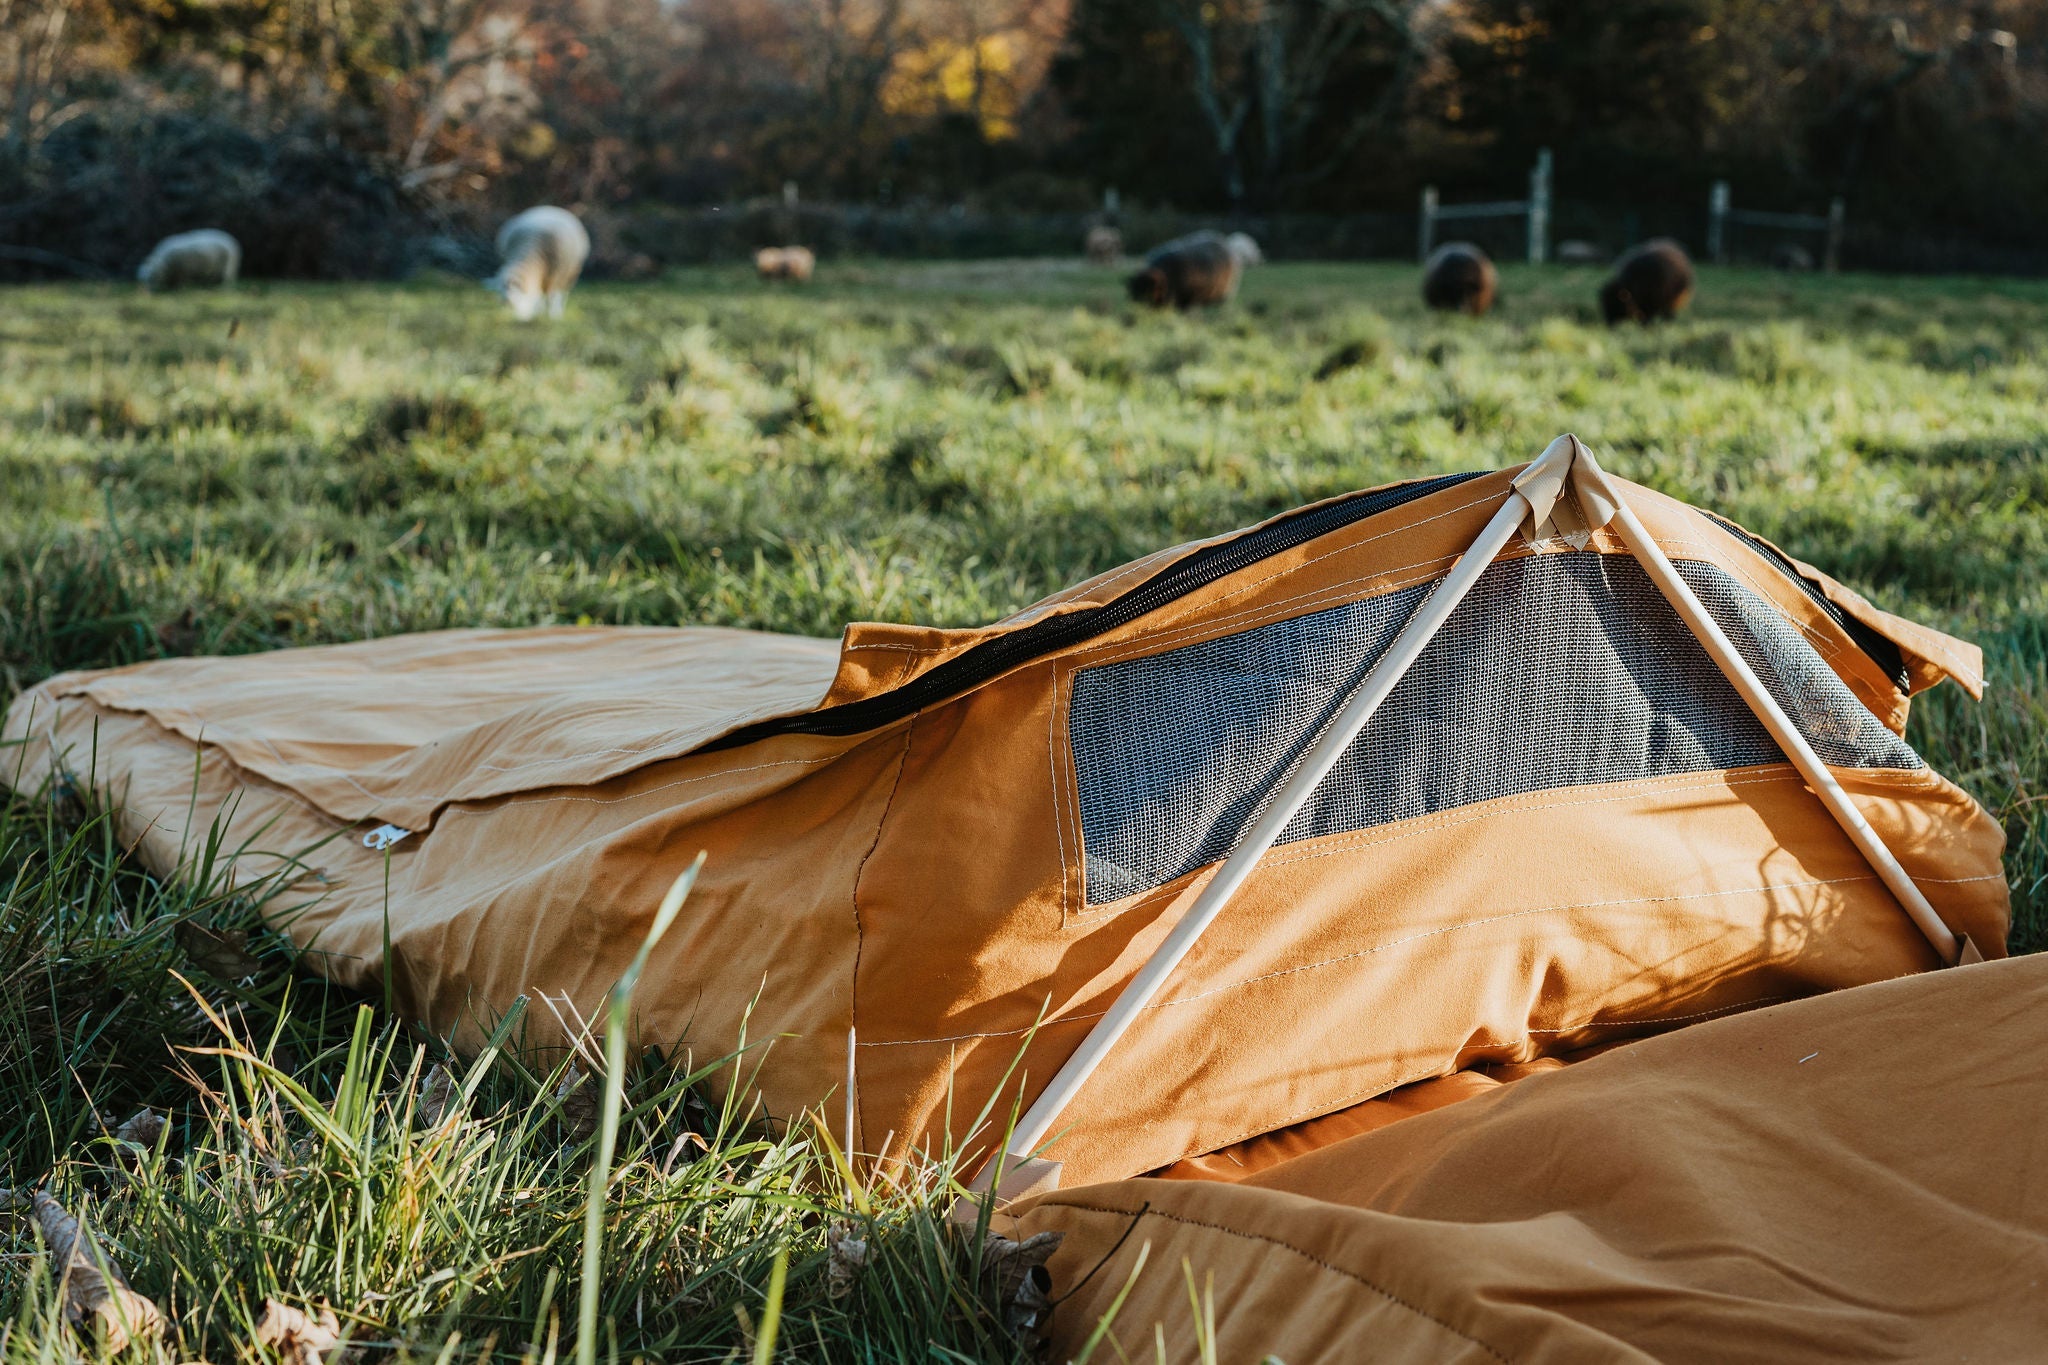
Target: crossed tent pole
[{"x": 1565, "y": 493}]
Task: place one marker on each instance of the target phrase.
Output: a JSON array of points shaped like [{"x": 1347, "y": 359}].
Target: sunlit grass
[{"x": 291, "y": 465}]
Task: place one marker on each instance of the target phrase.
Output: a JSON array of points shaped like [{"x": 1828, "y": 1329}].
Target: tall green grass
[
  {"x": 318, "y": 1154},
  {"x": 291, "y": 465}
]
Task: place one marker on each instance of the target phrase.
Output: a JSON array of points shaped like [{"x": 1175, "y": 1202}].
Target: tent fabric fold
[
  {"x": 1852, "y": 1177},
  {"x": 962, "y": 844}
]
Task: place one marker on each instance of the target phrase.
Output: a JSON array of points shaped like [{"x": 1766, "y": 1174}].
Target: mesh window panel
[{"x": 1557, "y": 671}]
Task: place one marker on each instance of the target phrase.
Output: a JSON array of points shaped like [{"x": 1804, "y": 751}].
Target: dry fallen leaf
[
  {"x": 222, "y": 954},
  {"x": 93, "y": 1298},
  {"x": 846, "y": 1255},
  {"x": 136, "y": 1138},
  {"x": 579, "y": 1102},
  {"x": 301, "y": 1338},
  {"x": 1023, "y": 1285},
  {"x": 143, "y": 1128},
  {"x": 437, "y": 1091}
]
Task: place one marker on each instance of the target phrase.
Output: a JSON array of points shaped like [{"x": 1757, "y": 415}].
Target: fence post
[
  {"x": 788, "y": 225},
  {"x": 1111, "y": 203},
  {"x": 1539, "y": 209},
  {"x": 1838, "y": 213},
  {"x": 1426, "y": 233},
  {"x": 1717, "y": 223}
]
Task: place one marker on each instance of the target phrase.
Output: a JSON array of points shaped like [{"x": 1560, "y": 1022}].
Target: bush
[{"x": 102, "y": 190}]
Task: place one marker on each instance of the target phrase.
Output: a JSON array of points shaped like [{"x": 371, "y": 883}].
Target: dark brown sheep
[
  {"x": 1459, "y": 277},
  {"x": 1201, "y": 268},
  {"x": 1650, "y": 282}
]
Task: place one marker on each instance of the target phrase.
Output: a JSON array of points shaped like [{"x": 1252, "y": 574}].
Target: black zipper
[
  {"x": 994, "y": 657},
  {"x": 1005, "y": 652},
  {"x": 1882, "y": 651}
]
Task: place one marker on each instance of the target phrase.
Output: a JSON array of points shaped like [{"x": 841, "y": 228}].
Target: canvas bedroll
[
  {"x": 1561, "y": 828},
  {"x": 1850, "y": 1177}
]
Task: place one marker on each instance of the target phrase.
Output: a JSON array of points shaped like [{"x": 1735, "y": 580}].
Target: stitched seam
[
  {"x": 1389, "y": 1295},
  {"x": 1339, "y": 1103},
  {"x": 1139, "y": 566},
  {"x": 1376, "y": 837},
  {"x": 470, "y": 807},
  {"x": 1437, "y": 932},
  {"x": 1511, "y": 915},
  {"x": 1739, "y": 1005},
  {"x": 1385, "y": 582},
  {"x": 1196, "y": 546},
  {"x": 1347, "y": 548},
  {"x": 859, "y": 935},
  {"x": 1329, "y": 845},
  {"x": 1389, "y": 580},
  {"x": 1059, "y": 822},
  {"x": 575, "y": 757}
]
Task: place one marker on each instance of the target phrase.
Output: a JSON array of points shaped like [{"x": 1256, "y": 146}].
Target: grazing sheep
[
  {"x": 541, "y": 251},
  {"x": 1246, "y": 248},
  {"x": 793, "y": 263},
  {"x": 1201, "y": 268},
  {"x": 1105, "y": 245},
  {"x": 1576, "y": 252},
  {"x": 1459, "y": 277},
  {"x": 1792, "y": 256},
  {"x": 1651, "y": 282},
  {"x": 202, "y": 259}
]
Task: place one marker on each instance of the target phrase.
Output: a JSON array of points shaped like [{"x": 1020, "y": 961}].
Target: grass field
[{"x": 298, "y": 464}]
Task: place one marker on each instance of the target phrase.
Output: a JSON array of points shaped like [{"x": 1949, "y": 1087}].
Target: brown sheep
[
  {"x": 1105, "y": 245},
  {"x": 792, "y": 263},
  {"x": 1458, "y": 277},
  {"x": 1200, "y": 269},
  {"x": 1651, "y": 282}
]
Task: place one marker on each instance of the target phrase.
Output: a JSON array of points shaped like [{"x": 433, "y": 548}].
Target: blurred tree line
[{"x": 355, "y": 137}]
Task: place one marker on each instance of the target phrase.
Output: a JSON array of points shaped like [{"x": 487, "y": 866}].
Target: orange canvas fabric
[
  {"x": 1854, "y": 1177},
  {"x": 925, "y": 877}
]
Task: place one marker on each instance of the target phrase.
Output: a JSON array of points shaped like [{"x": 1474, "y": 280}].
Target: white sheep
[
  {"x": 542, "y": 251},
  {"x": 203, "y": 259}
]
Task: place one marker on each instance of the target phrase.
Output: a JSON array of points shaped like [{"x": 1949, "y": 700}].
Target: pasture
[{"x": 941, "y": 443}]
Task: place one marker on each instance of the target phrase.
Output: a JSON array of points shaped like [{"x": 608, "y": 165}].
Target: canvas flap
[
  {"x": 393, "y": 730},
  {"x": 1929, "y": 654},
  {"x": 1848, "y": 1177},
  {"x": 879, "y": 656}
]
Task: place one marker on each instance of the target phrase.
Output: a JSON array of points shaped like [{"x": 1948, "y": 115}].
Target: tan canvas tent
[
  {"x": 1851, "y": 1178},
  {"x": 1513, "y": 765}
]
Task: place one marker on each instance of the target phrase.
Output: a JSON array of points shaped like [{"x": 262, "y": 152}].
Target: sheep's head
[
  {"x": 1617, "y": 304},
  {"x": 524, "y": 302},
  {"x": 1149, "y": 286}
]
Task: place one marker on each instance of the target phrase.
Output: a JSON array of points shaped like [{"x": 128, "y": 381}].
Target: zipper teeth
[
  {"x": 985, "y": 661},
  {"x": 1882, "y": 652}
]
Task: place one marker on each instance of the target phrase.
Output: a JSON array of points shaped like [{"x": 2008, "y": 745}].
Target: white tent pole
[
  {"x": 1252, "y": 845},
  {"x": 1695, "y": 614}
]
